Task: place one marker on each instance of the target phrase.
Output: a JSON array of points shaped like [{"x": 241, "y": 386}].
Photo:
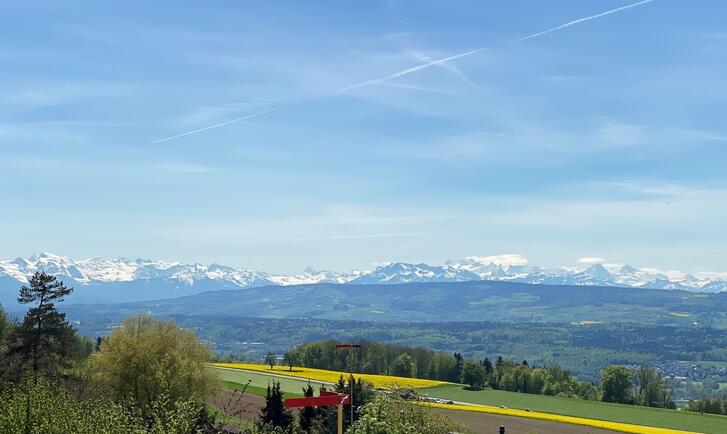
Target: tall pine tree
[{"x": 44, "y": 342}]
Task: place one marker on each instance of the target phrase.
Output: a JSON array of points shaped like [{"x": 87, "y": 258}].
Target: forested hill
[
  {"x": 448, "y": 302},
  {"x": 583, "y": 349}
]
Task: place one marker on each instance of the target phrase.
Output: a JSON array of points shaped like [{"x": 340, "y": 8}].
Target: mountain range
[{"x": 122, "y": 280}]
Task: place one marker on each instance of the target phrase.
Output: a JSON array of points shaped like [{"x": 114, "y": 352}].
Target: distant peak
[{"x": 628, "y": 269}]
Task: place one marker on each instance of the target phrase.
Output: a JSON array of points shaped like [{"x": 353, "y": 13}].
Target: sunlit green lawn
[{"x": 258, "y": 382}]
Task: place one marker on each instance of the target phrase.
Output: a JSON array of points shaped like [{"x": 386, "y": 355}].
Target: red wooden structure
[{"x": 326, "y": 399}]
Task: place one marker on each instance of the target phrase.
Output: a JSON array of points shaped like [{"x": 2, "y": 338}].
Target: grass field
[
  {"x": 380, "y": 381},
  {"x": 662, "y": 418},
  {"x": 234, "y": 379},
  {"x": 255, "y": 390}
]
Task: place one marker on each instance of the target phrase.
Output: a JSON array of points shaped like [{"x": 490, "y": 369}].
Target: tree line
[
  {"x": 642, "y": 386},
  {"x": 708, "y": 405}
]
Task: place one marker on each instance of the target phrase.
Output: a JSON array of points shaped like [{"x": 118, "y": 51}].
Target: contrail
[
  {"x": 580, "y": 20},
  {"x": 479, "y": 50},
  {"x": 221, "y": 124},
  {"x": 447, "y": 67},
  {"x": 414, "y": 69}
]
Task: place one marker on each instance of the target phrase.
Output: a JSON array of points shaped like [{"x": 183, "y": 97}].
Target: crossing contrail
[
  {"x": 211, "y": 127},
  {"x": 413, "y": 69},
  {"x": 438, "y": 62},
  {"x": 447, "y": 67},
  {"x": 480, "y": 50}
]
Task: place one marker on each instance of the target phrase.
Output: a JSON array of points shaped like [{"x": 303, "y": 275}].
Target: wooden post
[
  {"x": 340, "y": 419},
  {"x": 351, "y": 384}
]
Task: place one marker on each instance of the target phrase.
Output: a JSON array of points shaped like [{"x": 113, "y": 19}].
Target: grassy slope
[
  {"x": 589, "y": 409},
  {"x": 290, "y": 386}
]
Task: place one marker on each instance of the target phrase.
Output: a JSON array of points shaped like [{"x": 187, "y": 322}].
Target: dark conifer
[
  {"x": 274, "y": 412},
  {"x": 44, "y": 341},
  {"x": 307, "y": 415}
]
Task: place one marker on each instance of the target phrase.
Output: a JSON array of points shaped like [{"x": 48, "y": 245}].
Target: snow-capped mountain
[
  {"x": 593, "y": 275},
  {"x": 310, "y": 275},
  {"x": 104, "y": 279},
  {"x": 409, "y": 273},
  {"x": 105, "y": 270}
]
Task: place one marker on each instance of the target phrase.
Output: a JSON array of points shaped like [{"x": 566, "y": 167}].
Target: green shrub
[
  {"x": 391, "y": 415},
  {"x": 43, "y": 407}
]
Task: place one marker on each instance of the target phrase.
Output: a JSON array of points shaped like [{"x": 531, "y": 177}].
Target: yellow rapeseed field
[
  {"x": 379, "y": 381},
  {"x": 615, "y": 426}
]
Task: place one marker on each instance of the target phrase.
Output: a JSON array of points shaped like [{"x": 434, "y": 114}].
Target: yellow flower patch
[{"x": 379, "y": 381}]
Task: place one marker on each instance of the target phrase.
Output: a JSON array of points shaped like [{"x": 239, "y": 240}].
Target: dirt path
[{"x": 483, "y": 423}]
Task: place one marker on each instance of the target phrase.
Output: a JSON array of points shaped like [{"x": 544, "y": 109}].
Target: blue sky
[{"x": 606, "y": 138}]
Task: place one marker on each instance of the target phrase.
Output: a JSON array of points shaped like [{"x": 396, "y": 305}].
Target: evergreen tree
[
  {"x": 362, "y": 394},
  {"x": 44, "y": 342},
  {"x": 489, "y": 372},
  {"x": 274, "y": 412},
  {"x": 326, "y": 420},
  {"x": 499, "y": 372},
  {"x": 307, "y": 415},
  {"x": 460, "y": 364}
]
